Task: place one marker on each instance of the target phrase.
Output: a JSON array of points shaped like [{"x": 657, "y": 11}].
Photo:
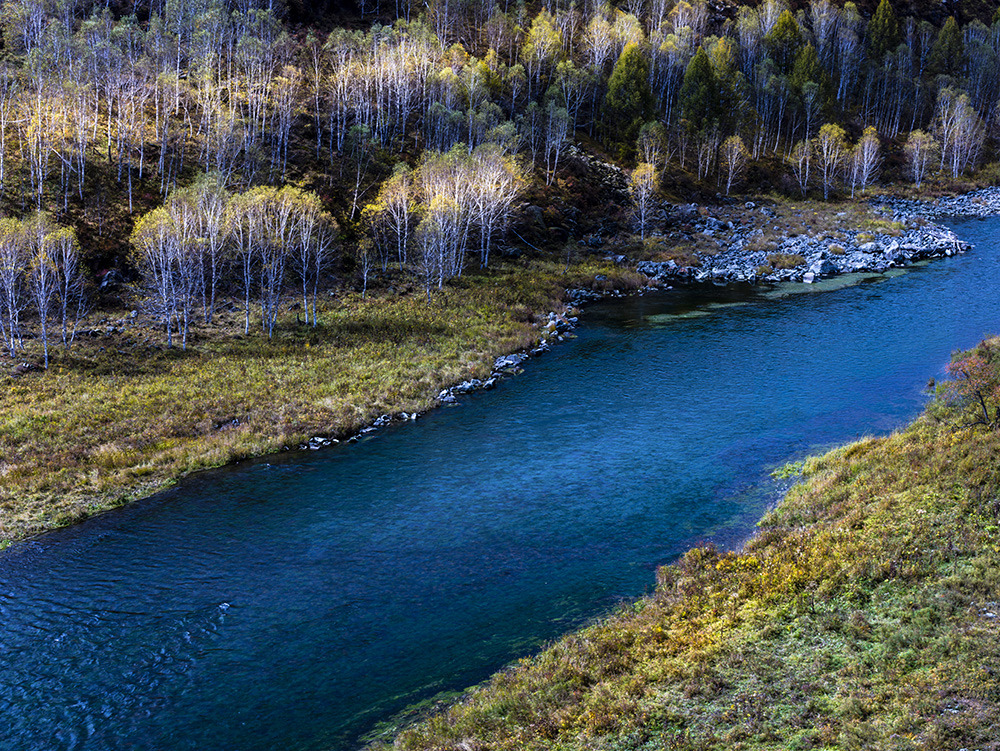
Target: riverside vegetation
[{"x": 862, "y": 615}]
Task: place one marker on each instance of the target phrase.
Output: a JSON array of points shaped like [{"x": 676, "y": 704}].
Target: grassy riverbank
[
  {"x": 119, "y": 416},
  {"x": 864, "y": 615}
]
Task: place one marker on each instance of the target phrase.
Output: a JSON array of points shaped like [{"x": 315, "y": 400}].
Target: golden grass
[
  {"x": 118, "y": 417},
  {"x": 785, "y": 260}
]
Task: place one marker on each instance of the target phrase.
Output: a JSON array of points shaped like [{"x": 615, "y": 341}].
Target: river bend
[{"x": 295, "y": 601}]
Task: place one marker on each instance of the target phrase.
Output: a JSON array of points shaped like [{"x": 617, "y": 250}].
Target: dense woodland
[{"x": 237, "y": 146}]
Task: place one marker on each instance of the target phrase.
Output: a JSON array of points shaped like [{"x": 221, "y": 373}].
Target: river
[{"x": 294, "y": 602}]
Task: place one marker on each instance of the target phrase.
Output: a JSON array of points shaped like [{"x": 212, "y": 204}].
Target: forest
[{"x": 203, "y": 145}]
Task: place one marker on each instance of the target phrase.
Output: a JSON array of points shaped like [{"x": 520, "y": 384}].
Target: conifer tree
[
  {"x": 883, "y": 32},
  {"x": 948, "y": 53},
  {"x": 629, "y": 100},
  {"x": 784, "y": 41},
  {"x": 730, "y": 85},
  {"x": 699, "y": 95},
  {"x": 811, "y": 84}
]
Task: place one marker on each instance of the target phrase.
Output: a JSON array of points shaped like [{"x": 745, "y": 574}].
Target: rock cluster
[
  {"x": 821, "y": 257},
  {"x": 978, "y": 203},
  {"x": 807, "y": 258},
  {"x": 611, "y": 178},
  {"x": 319, "y": 441}
]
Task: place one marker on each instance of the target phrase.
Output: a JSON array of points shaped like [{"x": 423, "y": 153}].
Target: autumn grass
[
  {"x": 863, "y": 615},
  {"x": 119, "y": 416},
  {"x": 785, "y": 260},
  {"x": 884, "y": 226}
]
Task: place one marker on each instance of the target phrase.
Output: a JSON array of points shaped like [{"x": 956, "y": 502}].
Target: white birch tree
[{"x": 643, "y": 182}]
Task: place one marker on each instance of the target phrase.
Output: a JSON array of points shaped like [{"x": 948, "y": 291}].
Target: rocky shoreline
[
  {"x": 978, "y": 203},
  {"x": 557, "y": 328},
  {"x": 914, "y": 236},
  {"x": 907, "y": 231},
  {"x": 741, "y": 242}
]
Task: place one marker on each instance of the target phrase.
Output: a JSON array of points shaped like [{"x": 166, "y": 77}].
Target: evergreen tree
[
  {"x": 883, "y": 32},
  {"x": 699, "y": 95},
  {"x": 784, "y": 41},
  {"x": 629, "y": 101},
  {"x": 730, "y": 85},
  {"x": 811, "y": 84},
  {"x": 948, "y": 53},
  {"x": 808, "y": 68}
]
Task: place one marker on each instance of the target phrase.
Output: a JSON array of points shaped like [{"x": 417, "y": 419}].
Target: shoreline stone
[
  {"x": 856, "y": 251},
  {"x": 879, "y": 254},
  {"x": 505, "y": 366}
]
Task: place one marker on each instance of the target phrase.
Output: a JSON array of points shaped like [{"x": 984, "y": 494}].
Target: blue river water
[{"x": 296, "y": 601}]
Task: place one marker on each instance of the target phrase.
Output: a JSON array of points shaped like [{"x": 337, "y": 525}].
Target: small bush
[
  {"x": 989, "y": 174},
  {"x": 761, "y": 244},
  {"x": 785, "y": 260},
  {"x": 837, "y": 250},
  {"x": 884, "y": 226},
  {"x": 682, "y": 256}
]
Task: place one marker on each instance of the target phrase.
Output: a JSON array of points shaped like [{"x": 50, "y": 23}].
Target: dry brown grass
[{"x": 785, "y": 260}]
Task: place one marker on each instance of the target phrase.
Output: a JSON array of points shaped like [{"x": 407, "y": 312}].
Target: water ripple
[{"x": 293, "y": 602}]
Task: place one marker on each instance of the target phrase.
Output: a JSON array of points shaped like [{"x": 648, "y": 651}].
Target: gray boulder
[{"x": 822, "y": 267}]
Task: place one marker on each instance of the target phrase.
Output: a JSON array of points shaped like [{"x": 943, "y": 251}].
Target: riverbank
[
  {"x": 776, "y": 242},
  {"x": 862, "y": 615},
  {"x": 118, "y": 416}
]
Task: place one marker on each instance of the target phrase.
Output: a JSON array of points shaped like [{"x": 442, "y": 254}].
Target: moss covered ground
[{"x": 865, "y": 614}]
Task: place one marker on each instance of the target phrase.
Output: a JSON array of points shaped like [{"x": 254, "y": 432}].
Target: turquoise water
[{"x": 297, "y": 601}]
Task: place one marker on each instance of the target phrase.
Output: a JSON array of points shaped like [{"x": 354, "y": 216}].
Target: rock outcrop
[{"x": 914, "y": 236}]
